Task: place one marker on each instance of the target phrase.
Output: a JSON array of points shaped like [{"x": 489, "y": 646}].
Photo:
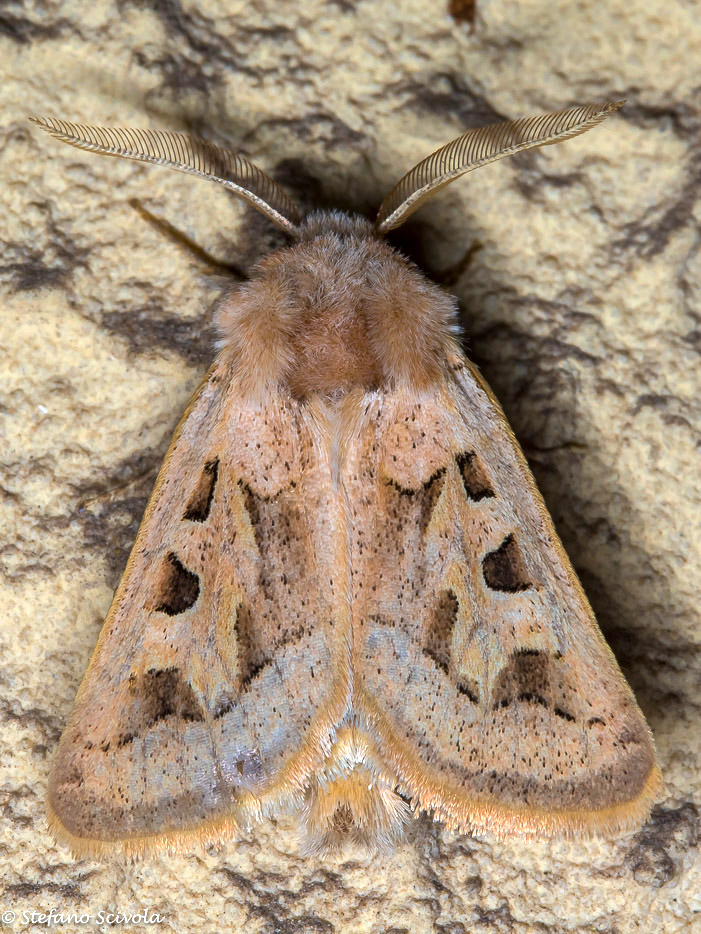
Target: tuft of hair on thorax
[
  {"x": 338, "y": 310},
  {"x": 320, "y": 222}
]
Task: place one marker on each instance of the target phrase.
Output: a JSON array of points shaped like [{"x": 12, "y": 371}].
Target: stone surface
[{"x": 579, "y": 275}]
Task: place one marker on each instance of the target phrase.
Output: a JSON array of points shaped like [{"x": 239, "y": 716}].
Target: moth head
[
  {"x": 340, "y": 310},
  {"x": 207, "y": 160}
]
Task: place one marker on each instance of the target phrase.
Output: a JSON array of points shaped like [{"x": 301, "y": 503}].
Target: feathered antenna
[
  {"x": 479, "y": 147},
  {"x": 186, "y": 154}
]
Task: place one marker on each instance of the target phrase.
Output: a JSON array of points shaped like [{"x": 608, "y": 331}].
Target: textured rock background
[{"x": 579, "y": 274}]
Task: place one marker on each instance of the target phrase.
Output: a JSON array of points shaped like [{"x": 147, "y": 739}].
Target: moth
[{"x": 346, "y": 600}]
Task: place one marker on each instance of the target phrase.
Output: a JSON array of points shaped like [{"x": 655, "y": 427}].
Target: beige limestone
[{"x": 579, "y": 276}]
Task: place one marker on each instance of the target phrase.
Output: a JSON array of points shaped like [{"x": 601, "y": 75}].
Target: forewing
[
  {"x": 479, "y": 665},
  {"x": 217, "y": 679}
]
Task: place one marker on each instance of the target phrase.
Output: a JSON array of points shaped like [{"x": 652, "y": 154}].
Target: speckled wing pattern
[
  {"x": 480, "y": 671},
  {"x": 219, "y": 673},
  {"x": 330, "y": 605}
]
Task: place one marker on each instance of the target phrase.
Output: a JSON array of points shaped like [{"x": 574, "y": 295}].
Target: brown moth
[{"x": 346, "y": 599}]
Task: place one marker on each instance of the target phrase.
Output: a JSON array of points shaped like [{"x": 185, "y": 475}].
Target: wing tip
[
  {"x": 471, "y": 817},
  {"x": 172, "y": 842},
  {"x": 500, "y": 822}
]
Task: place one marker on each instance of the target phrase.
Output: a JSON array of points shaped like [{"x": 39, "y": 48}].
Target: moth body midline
[{"x": 346, "y": 600}]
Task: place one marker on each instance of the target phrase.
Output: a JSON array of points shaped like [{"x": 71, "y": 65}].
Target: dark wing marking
[
  {"x": 218, "y": 677},
  {"x": 479, "y": 666}
]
